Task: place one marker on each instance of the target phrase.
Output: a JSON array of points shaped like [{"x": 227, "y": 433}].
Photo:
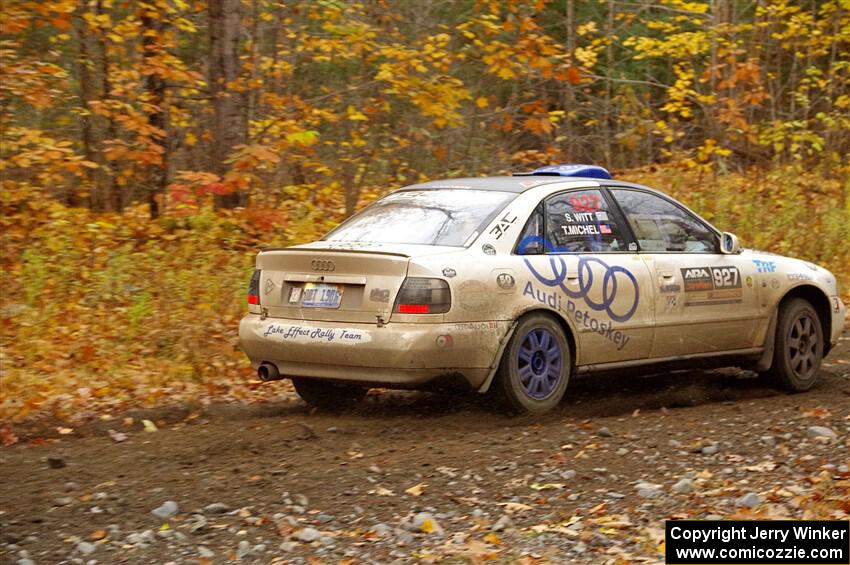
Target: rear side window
[
  {"x": 428, "y": 217},
  {"x": 661, "y": 226},
  {"x": 579, "y": 222}
]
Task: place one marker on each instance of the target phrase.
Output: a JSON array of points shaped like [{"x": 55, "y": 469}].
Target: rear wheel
[
  {"x": 799, "y": 347},
  {"x": 328, "y": 394},
  {"x": 535, "y": 367}
]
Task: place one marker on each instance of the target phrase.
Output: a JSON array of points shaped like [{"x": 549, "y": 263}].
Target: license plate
[{"x": 320, "y": 295}]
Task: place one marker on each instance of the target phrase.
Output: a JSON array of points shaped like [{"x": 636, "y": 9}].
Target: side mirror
[{"x": 729, "y": 243}]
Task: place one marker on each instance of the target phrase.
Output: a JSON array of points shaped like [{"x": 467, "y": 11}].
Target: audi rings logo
[
  {"x": 616, "y": 281},
  {"x": 322, "y": 265}
]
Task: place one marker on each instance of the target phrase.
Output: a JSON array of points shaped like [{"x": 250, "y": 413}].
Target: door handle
[{"x": 667, "y": 274}]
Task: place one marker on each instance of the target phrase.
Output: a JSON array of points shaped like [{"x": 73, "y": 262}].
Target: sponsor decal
[
  {"x": 774, "y": 284},
  {"x": 749, "y": 281},
  {"x": 811, "y": 266},
  {"x": 348, "y": 244},
  {"x": 584, "y": 318},
  {"x": 764, "y": 266},
  {"x": 269, "y": 286},
  {"x": 503, "y": 225},
  {"x": 616, "y": 281},
  {"x": 799, "y": 277},
  {"x": 672, "y": 301},
  {"x": 699, "y": 279},
  {"x": 713, "y": 285},
  {"x": 633, "y": 246},
  {"x": 488, "y": 249},
  {"x": 668, "y": 288},
  {"x": 588, "y": 223},
  {"x": 449, "y": 273},
  {"x": 380, "y": 295},
  {"x": 589, "y": 229},
  {"x": 584, "y": 202},
  {"x": 531, "y": 183},
  {"x": 295, "y": 294},
  {"x": 300, "y": 333},
  {"x": 505, "y": 281},
  {"x": 476, "y": 326}
]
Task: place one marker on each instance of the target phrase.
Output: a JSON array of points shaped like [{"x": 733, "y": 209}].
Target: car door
[
  {"x": 584, "y": 265},
  {"x": 705, "y": 300}
]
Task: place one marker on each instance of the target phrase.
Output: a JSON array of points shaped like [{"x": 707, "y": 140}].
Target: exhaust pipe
[{"x": 268, "y": 372}]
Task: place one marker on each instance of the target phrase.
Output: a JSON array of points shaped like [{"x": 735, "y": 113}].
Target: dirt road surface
[{"x": 416, "y": 477}]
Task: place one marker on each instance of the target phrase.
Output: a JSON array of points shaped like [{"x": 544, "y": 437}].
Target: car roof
[{"x": 516, "y": 184}]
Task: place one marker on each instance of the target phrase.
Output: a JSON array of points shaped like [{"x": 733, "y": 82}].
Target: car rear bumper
[{"x": 394, "y": 355}]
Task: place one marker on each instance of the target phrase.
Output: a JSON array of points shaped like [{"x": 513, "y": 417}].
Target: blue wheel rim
[{"x": 539, "y": 360}]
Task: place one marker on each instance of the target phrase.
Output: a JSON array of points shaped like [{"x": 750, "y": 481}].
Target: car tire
[
  {"x": 330, "y": 395},
  {"x": 535, "y": 366},
  {"x": 798, "y": 350}
]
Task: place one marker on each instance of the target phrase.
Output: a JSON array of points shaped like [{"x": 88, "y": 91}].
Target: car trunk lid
[{"x": 334, "y": 282}]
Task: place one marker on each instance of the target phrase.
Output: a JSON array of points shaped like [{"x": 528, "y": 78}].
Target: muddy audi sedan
[{"x": 513, "y": 285}]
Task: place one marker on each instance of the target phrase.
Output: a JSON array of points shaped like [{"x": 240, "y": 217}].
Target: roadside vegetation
[{"x": 149, "y": 149}]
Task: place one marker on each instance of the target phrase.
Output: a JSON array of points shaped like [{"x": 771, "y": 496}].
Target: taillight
[
  {"x": 254, "y": 288},
  {"x": 423, "y": 296}
]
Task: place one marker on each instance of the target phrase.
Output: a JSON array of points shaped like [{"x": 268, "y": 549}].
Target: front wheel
[
  {"x": 328, "y": 394},
  {"x": 799, "y": 347},
  {"x": 535, "y": 367}
]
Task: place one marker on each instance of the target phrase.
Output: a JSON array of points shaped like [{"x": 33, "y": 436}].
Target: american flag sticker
[{"x": 604, "y": 228}]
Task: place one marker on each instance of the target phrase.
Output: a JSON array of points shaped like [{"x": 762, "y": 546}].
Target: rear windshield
[{"x": 428, "y": 217}]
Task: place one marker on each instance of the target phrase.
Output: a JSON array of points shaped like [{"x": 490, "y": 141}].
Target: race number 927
[{"x": 726, "y": 277}]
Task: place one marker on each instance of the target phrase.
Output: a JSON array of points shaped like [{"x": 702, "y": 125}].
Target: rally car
[{"x": 514, "y": 284}]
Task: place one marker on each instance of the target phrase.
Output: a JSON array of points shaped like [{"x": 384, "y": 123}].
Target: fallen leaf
[
  {"x": 98, "y": 535},
  {"x": 598, "y": 509},
  {"x": 117, "y": 436},
  {"x": 381, "y": 491},
  {"x": 8, "y": 436},
  {"x": 416, "y": 490},
  {"x": 819, "y": 412},
  {"x": 492, "y": 538},
  {"x": 427, "y": 526},
  {"x": 514, "y": 507},
  {"x": 547, "y": 486},
  {"x": 149, "y": 426},
  {"x": 64, "y": 431},
  {"x": 761, "y": 467}
]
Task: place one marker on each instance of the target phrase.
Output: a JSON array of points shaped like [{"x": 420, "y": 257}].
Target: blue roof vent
[{"x": 573, "y": 170}]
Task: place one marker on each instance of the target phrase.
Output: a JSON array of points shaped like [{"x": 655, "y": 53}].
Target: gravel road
[{"x": 412, "y": 477}]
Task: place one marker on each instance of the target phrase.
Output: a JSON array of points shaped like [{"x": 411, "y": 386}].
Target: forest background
[{"x": 149, "y": 148}]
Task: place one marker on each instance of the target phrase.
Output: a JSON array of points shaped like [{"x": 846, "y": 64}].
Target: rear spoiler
[{"x": 333, "y": 249}]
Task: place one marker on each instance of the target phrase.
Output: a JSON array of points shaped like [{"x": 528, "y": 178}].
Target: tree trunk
[
  {"x": 72, "y": 198},
  {"x": 152, "y": 26},
  {"x": 229, "y": 125},
  {"x": 113, "y": 199}
]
